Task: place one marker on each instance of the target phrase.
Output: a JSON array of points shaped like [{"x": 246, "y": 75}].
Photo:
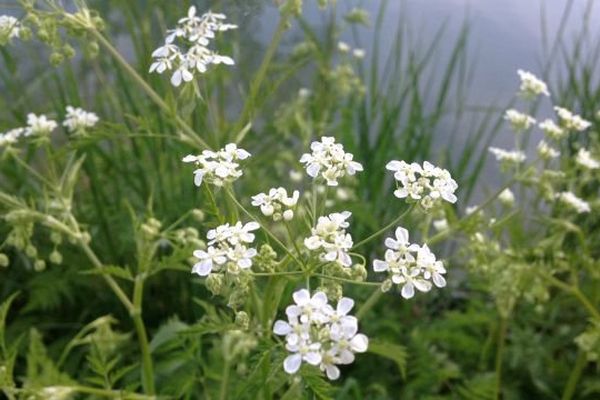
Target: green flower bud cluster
[
  {"x": 589, "y": 341},
  {"x": 237, "y": 344},
  {"x": 266, "y": 259}
]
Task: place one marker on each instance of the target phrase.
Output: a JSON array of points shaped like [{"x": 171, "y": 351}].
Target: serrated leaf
[
  {"x": 314, "y": 380},
  {"x": 392, "y": 351}
]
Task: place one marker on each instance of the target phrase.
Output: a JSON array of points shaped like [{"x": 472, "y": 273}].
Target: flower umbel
[
  {"x": 217, "y": 167},
  {"x": 276, "y": 204},
  {"x": 320, "y": 335},
  {"x": 330, "y": 236},
  {"x": 78, "y": 120},
  {"x": 329, "y": 161}
]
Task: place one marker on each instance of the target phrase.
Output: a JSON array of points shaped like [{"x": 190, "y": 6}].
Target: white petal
[
  {"x": 439, "y": 280},
  {"x": 292, "y": 363},
  {"x": 380, "y": 266},
  {"x": 332, "y": 371},
  {"x": 301, "y": 297},
  {"x": 281, "y": 328},
  {"x": 203, "y": 268},
  {"x": 408, "y": 290},
  {"x": 359, "y": 343},
  {"x": 345, "y": 305},
  {"x": 313, "y": 358}
]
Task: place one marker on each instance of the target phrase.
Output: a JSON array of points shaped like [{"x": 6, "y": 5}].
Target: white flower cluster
[
  {"x": 571, "y": 200},
  {"x": 9, "y": 28},
  {"x": 39, "y": 125},
  {"x": 217, "y": 167},
  {"x": 531, "y": 86},
  {"x": 519, "y": 121},
  {"x": 320, "y": 335},
  {"x": 276, "y": 203},
  {"x": 227, "y": 249},
  {"x": 552, "y": 130},
  {"x": 584, "y": 158},
  {"x": 570, "y": 121},
  {"x": 77, "y": 119},
  {"x": 425, "y": 184},
  {"x": 508, "y": 156},
  {"x": 410, "y": 265},
  {"x": 546, "y": 152},
  {"x": 11, "y": 137},
  {"x": 196, "y": 32},
  {"x": 330, "y": 235},
  {"x": 344, "y": 47},
  {"x": 329, "y": 161}
]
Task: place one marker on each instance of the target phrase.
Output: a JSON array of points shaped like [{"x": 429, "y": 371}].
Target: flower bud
[
  {"x": 56, "y": 58},
  {"x": 4, "y": 261},
  {"x": 39, "y": 265},
  {"x": 56, "y": 257},
  {"x": 31, "y": 251},
  {"x": 214, "y": 283},
  {"x": 242, "y": 320},
  {"x": 386, "y": 285},
  {"x": 198, "y": 215},
  {"x": 56, "y": 237}
]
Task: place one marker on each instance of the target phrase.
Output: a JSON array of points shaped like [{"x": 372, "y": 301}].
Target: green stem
[
  {"x": 335, "y": 278},
  {"x": 278, "y": 273},
  {"x": 384, "y": 229},
  {"x": 499, "y": 352},
  {"x": 575, "y": 292},
  {"x": 371, "y": 301},
  {"x": 580, "y": 364},
  {"x": 147, "y": 368},
  {"x": 224, "y": 380},
  {"x": 115, "y": 394}
]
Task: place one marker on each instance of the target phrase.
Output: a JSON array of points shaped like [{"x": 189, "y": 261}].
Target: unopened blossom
[
  {"x": 584, "y": 158},
  {"x": 78, "y": 120},
  {"x": 440, "y": 224},
  {"x": 228, "y": 250},
  {"x": 10, "y": 28},
  {"x": 546, "y": 152},
  {"x": 39, "y": 125},
  {"x": 507, "y": 197},
  {"x": 531, "y": 86},
  {"x": 186, "y": 52},
  {"x": 318, "y": 334},
  {"x": 277, "y": 204},
  {"x": 217, "y": 167},
  {"x": 570, "y": 121},
  {"x": 329, "y": 161},
  {"x": 409, "y": 265},
  {"x": 552, "y": 130},
  {"x": 571, "y": 200},
  {"x": 426, "y": 184},
  {"x": 343, "y": 47},
  {"x": 519, "y": 121},
  {"x": 510, "y": 156},
  {"x": 329, "y": 236}
]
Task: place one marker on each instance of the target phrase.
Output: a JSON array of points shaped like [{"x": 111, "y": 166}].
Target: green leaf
[
  {"x": 314, "y": 380},
  {"x": 392, "y": 351},
  {"x": 3, "y": 313},
  {"x": 112, "y": 270}
]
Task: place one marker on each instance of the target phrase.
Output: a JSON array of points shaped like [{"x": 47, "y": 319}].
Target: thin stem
[
  {"x": 335, "y": 278},
  {"x": 32, "y": 171},
  {"x": 291, "y": 237},
  {"x": 575, "y": 292},
  {"x": 224, "y": 380},
  {"x": 285, "y": 273},
  {"x": 116, "y": 394},
  {"x": 384, "y": 229},
  {"x": 147, "y": 367},
  {"x": 371, "y": 301},
  {"x": 580, "y": 364},
  {"x": 499, "y": 352}
]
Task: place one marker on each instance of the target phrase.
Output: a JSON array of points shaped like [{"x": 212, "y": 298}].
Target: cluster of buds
[
  {"x": 320, "y": 335},
  {"x": 217, "y": 167},
  {"x": 410, "y": 265},
  {"x": 424, "y": 184},
  {"x": 194, "y": 34}
]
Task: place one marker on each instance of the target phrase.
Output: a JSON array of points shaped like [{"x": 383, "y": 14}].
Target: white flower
[
  {"x": 546, "y": 152},
  {"x": 12, "y": 136},
  {"x": 39, "y": 125},
  {"x": 531, "y": 86},
  {"x": 318, "y": 334},
  {"x": 570, "y": 121},
  {"x": 585, "y": 159},
  {"x": 77, "y": 119},
  {"x": 227, "y": 248},
  {"x": 330, "y": 236},
  {"x": 507, "y": 197},
  {"x": 10, "y": 27},
  {"x": 552, "y": 130},
  {"x": 410, "y": 265},
  {"x": 329, "y": 161},
  {"x": 194, "y": 34},
  {"x": 440, "y": 224},
  {"x": 343, "y": 47},
  {"x": 276, "y": 204},
  {"x": 217, "y": 168},
  {"x": 519, "y": 122},
  {"x": 358, "y": 53},
  {"x": 579, "y": 205},
  {"x": 512, "y": 156},
  {"x": 426, "y": 184}
]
